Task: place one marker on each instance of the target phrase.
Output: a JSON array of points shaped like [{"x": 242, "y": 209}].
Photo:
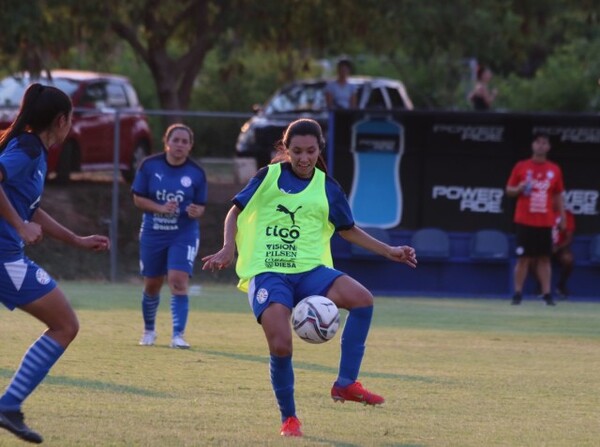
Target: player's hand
[
  {"x": 219, "y": 260},
  {"x": 94, "y": 242},
  {"x": 404, "y": 254},
  {"x": 170, "y": 207},
  {"x": 31, "y": 233},
  {"x": 194, "y": 211}
]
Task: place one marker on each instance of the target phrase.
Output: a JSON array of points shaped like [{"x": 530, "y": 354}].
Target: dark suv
[
  {"x": 90, "y": 143},
  {"x": 306, "y": 99}
]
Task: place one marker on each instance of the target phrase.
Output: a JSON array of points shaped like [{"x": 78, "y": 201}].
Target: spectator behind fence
[
  {"x": 538, "y": 185},
  {"x": 43, "y": 120},
  {"x": 340, "y": 94},
  {"x": 171, "y": 189},
  {"x": 481, "y": 97},
  {"x": 295, "y": 191}
]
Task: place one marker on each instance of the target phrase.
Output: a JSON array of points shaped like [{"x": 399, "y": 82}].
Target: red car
[{"x": 90, "y": 144}]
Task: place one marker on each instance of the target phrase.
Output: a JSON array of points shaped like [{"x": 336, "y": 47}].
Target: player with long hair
[
  {"x": 44, "y": 119},
  {"x": 281, "y": 223}
]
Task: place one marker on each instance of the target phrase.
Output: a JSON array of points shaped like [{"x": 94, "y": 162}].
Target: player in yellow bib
[{"x": 282, "y": 223}]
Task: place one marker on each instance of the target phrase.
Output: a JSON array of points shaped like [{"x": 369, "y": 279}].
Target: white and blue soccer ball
[{"x": 316, "y": 319}]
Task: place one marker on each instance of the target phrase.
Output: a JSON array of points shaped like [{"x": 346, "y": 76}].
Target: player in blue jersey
[
  {"x": 44, "y": 119},
  {"x": 281, "y": 223},
  {"x": 171, "y": 189}
]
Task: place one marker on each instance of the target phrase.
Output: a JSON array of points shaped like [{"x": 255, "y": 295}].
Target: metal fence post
[{"x": 114, "y": 221}]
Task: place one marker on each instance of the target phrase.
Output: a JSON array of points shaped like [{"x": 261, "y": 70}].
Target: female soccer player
[
  {"x": 44, "y": 119},
  {"x": 282, "y": 222},
  {"x": 171, "y": 189}
]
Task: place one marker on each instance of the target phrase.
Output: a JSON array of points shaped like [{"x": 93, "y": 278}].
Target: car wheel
[
  {"x": 68, "y": 161},
  {"x": 141, "y": 151}
]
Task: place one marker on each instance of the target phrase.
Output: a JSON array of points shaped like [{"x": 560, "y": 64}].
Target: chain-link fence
[{"x": 100, "y": 201}]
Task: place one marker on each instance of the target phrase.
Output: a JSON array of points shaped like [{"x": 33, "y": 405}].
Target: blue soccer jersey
[
  {"x": 161, "y": 182},
  {"x": 23, "y": 165},
  {"x": 340, "y": 214}
]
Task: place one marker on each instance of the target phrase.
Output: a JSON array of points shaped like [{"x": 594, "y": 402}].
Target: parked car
[
  {"x": 90, "y": 143},
  {"x": 306, "y": 99}
]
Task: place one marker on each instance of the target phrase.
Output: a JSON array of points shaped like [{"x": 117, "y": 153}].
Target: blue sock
[
  {"x": 282, "y": 379},
  {"x": 180, "y": 306},
  {"x": 354, "y": 337},
  {"x": 149, "y": 309},
  {"x": 36, "y": 363}
]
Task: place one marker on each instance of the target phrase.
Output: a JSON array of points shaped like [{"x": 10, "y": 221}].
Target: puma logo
[{"x": 292, "y": 214}]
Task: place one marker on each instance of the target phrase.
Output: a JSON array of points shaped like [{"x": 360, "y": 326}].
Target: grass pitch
[{"x": 453, "y": 372}]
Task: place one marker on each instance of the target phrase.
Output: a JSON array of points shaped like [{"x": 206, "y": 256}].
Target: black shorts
[{"x": 533, "y": 241}]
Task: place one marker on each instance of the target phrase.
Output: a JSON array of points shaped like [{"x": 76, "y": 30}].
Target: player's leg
[
  {"x": 54, "y": 310},
  {"x": 180, "y": 264},
  {"x": 179, "y": 283},
  {"x": 565, "y": 261},
  {"x": 347, "y": 293},
  {"x": 523, "y": 263},
  {"x": 271, "y": 299},
  {"x": 153, "y": 267}
]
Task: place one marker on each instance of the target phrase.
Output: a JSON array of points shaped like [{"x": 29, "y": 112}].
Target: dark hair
[
  {"x": 481, "y": 70},
  {"x": 303, "y": 126},
  {"x": 345, "y": 62},
  {"x": 178, "y": 126},
  {"x": 40, "y": 106},
  {"x": 537, "y": 135}
]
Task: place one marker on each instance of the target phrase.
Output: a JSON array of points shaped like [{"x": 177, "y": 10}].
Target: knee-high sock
[
  {"x": 180, "y": 305},
  {"x": 282, "y": 379},
  {"x": 36, "y": 363},
  {"x": 149, "y": 309},
  {"x": 353, "y": 341}
]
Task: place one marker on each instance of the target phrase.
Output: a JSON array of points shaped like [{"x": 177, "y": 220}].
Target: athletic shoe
[
  {"x": 148, "y": 338},
  {"x": 178, "y": 342},
  {"x": 548, "y": 301},
  {"x": 516, "y": 299},
  {"x": 356, "y": 393},
  {"x": 563, "y": 293},
  {"x": 14, "y": 422},
  {"x": 291, "y": 427}
]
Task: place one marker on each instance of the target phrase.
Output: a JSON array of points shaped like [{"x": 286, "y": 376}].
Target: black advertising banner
[{"x": 451, "y": 168}]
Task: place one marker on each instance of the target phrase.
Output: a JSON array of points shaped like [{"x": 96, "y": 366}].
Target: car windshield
[
  {"x": 12, "y": 88},
  {"x": 298, "y": 98}
]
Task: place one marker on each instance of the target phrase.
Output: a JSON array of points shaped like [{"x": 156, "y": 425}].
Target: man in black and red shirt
[{"x": 538, "y": 185}]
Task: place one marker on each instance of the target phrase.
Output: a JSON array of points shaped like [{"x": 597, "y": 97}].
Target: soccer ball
[{"x": 316, "y": 319}]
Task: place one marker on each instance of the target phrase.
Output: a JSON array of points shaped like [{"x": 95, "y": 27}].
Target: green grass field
[{"x": 454, "y": 373}]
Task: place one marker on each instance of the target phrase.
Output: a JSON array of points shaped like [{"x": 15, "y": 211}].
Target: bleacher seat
[
  {"x": 431, "y": 244},
  {"x": 595, "y": 249},
  {"x": 489, "y": 245},
  {"x": 377, "y": 233}
]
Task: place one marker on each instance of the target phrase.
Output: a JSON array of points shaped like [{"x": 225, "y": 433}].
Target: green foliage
[{"x": 567, "y": 82}]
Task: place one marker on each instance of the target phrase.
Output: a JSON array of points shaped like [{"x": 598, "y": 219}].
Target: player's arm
[
  {"x": 224, "y": 257},
  {"x": 59, "y": 232},
  {"x": 149, "y": 205},
  {"x": 30, "y": 232},
  {"x": 402, "y": 253}
]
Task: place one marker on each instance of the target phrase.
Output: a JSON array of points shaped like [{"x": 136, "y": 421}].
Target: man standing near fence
[{"x": 537, "y": 183}]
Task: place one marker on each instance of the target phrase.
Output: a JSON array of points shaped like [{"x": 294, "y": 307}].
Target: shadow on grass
[
  {"x": 94, "y": 385},
  {"x": 321, "y": 368}
]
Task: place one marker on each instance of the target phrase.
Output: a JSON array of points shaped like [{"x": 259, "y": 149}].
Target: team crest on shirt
[
  {"x": 186, "y": 181},
  {"x": 42, "y": 277},
  {"x": 261, "y": 295},
  {"x": 550, "y": 174}
]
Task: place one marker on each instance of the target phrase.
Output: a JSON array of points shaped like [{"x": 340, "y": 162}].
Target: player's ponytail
[{"x": 40, "y": 106}]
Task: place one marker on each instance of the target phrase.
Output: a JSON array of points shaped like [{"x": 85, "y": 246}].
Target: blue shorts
[
  {"x": 288, "y": 289},
  {"x": 22, "y": 281},
  {"x": 158, "y": 257}
]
